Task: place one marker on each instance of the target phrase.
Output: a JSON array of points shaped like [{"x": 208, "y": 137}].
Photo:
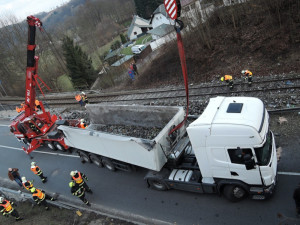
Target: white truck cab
[{"x": 232, "y": 143}]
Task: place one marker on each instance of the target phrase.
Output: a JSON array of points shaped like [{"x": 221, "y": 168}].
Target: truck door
[{"x": 238, "y": 169}]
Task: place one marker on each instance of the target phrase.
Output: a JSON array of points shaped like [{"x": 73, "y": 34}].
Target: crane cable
[
  {"x": 184, "y": 71},
  {"x": 57, "y": 55}
]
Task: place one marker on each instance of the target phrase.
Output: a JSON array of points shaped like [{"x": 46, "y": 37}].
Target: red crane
[{"x": 35, "y": 126}]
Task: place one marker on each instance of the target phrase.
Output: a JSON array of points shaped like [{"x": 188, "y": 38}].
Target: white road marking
[
  {"x": 4, "y": 125},
  {"x": 289, "y": 173},
  {"x": 49, "y": 153}
]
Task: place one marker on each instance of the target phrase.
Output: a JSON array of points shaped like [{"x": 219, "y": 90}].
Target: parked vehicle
[
  {"x": 137, "y": 49},
  {"x": 228, "y": 150}
]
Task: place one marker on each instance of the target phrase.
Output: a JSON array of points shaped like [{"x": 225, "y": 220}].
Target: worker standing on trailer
[
  {"x": 79, "y": 179},
  {"x": 27, "y": 184},
  {"x": 82, "y": 124},
  {"x": 36, "y": 170},
  {"x": 248, "y": 76},
  {"x": 39, "y": 196},
  {"x": 6, "y": 209},
  {"x": 228, "y": 79},
  {"x": 78, "y": 191}
]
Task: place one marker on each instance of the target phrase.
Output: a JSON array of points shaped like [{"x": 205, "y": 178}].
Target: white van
[{"x": 137, "y": 49}]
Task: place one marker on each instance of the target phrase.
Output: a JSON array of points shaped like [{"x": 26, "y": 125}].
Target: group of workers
[
  {"x": 78, "y": 188},
  {"x": 82, "y": 99},
  {"x": 228, "y": 78},
  {"x": 22, "y": 107}
]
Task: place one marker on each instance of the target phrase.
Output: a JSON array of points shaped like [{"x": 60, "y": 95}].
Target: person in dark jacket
[
  {"x": 13, "y": 174},
  {"x": 135, "y": 69},
  {"x": 296, "y": 197}
]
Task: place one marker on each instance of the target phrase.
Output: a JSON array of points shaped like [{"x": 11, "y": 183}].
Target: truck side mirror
[{"x": 249, "y": 162}]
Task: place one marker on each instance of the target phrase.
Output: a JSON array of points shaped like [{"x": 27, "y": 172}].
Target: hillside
[{"x": 262, "y": 36}]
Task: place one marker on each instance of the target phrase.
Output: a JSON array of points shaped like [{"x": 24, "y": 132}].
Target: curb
[{"x": 70, "y": 204}]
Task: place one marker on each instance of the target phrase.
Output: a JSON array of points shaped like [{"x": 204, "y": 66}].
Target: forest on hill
[
  {"x": 90, "y": 23},
  {"x": 260, "y": 35}
]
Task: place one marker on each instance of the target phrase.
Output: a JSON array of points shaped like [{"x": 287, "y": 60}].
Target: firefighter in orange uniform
[
  {"x": 82, "y": 124},
  {"x": 248, "y": 76},
  {"x": 79, "y": 99},
  {"x": 79, "y": 179},
  {"x": 6, "y": 209},
  {"x": 37, "y": 105},
  {"x": 39, "y": 196},
  {"x": 228, "y": 79},
  {"x": 36, "y": 170},
  {"x": 27, "y": 184}
]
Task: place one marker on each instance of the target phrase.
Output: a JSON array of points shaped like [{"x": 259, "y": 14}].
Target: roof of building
[
  {"x": 162, "y": 30},
  {"x": 160, "y": 9},
  {"x": 133, "y": 23},
  {"x": 186, "y": 2},
  {"x": 113, "y": 53},
  {"x": 121, "y": 61}
]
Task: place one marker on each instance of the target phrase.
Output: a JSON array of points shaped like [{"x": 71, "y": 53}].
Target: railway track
[{"x": 275, "y": 90}]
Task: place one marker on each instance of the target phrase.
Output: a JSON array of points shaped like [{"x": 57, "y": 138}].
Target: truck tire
[
  {"x": 234, "y": 193},
  {"x": 84, "y": 157},
  {"x": 157, "y": 184},
  {"x": 108, "y": 164},
  {"x": 50, "y": 145},
  {"x": 59, "y": 146},
  {"x": 96, "y": 160}
]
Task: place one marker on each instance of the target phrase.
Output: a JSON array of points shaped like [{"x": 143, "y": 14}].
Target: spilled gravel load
[{"x": 131, "y": 131}]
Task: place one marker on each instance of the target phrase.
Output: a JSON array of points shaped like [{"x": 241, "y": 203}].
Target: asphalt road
[{"x": 128, "y": 191}]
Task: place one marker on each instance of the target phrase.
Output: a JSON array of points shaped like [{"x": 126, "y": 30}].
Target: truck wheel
[
  {"x": 234, "y": 193},
  {"x": 50, "y": 145},
  {"x": 157, "y": 184},
  {"x": 108, "y": 164},
  {"x": 59, "y": 147},
  {"x": 96, "y": 160},
  {"x": 84, "y": 157}
]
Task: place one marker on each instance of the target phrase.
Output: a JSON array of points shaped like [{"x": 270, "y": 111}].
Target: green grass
[
  {"x": 140, "y": 40},
  {"x": 127, "y": 51},
  {"x": 65, "y": 83}
]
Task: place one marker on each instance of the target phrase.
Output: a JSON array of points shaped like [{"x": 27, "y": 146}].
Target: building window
[{"x": 237, "y": 155}]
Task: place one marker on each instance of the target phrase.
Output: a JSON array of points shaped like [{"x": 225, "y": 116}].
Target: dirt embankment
[{"x": 260, "y": 35}]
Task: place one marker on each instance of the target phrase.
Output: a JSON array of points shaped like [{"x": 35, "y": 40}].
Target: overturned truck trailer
[{"x": 120, "y": 151}]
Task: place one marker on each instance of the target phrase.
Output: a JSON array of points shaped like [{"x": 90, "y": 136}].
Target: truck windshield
[{"x": 263, "y": 153}]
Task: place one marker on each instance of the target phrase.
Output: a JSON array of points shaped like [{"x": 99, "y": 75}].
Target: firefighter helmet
[
  {"x": 243, "y": 71},
  {"x": 1, "y": 199},
  {"x": 24, "y": 179},
  {"x": 82, "y": 120},
  {"x": 33, "y": 163},
  {"x": 222, "y": 79},
  {"x": 33, "y": 189},
  {"x": 71, "y": 184},
  {"x": 73, "y": 173},
  {"x": 9, "y": 169}
]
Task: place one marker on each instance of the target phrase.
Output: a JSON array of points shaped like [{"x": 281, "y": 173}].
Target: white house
[
  {"x": 138, "y": 26},
  {"x": 160, "y": 17}
]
